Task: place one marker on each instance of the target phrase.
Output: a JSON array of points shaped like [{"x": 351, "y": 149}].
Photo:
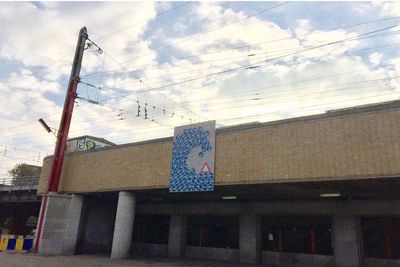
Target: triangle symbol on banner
[{"x": 206, "y": 168}]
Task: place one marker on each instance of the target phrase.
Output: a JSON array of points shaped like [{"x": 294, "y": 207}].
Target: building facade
[{"x": 320, "y": 190}]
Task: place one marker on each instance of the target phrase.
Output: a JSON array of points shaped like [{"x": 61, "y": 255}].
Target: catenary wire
[
  {"x": 141, "y": 22},
  {"x": 257, "y": 44},
  {"x": 259, "y": 62}
]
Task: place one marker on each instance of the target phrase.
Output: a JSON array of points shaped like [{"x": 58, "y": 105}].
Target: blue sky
[{"x": 233, "y": 62}]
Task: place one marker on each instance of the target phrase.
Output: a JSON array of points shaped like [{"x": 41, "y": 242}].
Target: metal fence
[{"x": 19, "y": 183}]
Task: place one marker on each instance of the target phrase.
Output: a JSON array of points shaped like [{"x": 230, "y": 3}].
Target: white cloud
[
  {"x": 303, "y": 27},
  {"x": 53, "y": 31},
  {"x": 28, "y": 81},
  {"x": 363, "y": 7},
  {"x": 388, "y": 8},
  {"x": 376, "y": 58}
]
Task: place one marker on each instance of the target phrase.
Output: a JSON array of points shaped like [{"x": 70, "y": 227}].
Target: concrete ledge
[
  {"x": 149, "y": 249},
  {"x": 322, "y": 207},
  {"x": 280, "y": 259},
  {"x": 221, "y": 254},
  {"x": 372, "y": 262}
]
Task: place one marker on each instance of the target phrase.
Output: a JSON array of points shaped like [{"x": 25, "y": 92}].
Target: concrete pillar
[
  {"x": 54, "y": 222},
  {"x": 177, "y": 236},
  {"x": 250, "y": 238},
  {"x": 123, "y": 225},
  {"x": 72, "y": 225},
  {"x": 347, "y": 241}
]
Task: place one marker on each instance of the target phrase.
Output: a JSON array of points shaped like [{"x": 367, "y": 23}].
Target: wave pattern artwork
[{"x": 192, "y": 166}]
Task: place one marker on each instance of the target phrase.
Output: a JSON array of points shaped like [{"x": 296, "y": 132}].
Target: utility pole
[{"x": 59, "y": 150}]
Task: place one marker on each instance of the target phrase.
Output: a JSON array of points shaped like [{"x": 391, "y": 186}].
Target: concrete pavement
[{"x": 34, "y": 260}]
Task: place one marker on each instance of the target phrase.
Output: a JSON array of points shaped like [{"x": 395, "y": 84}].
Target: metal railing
[{"x": 19, "y": 183}]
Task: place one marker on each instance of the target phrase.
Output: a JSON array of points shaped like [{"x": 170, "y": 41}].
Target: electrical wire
[
  {"x": 257, "y": 90},
  {"x": 278, "y": 94},
  {"x": 364, "y": 35},
  {"x": 284, "y": 96},
  {"x": 293, "y": 83},
  {"x": 166, "y": 97},
  {"x": 257, "y": 103},
  {"x": 256, "y": 44},
  {"x": 213, "y": 30},
  {"x": 320, "y": 106},
  {"x": 141, "y": 22},
  {"x": 265, "y": 61},
  {"x": 176, "y": 75}
]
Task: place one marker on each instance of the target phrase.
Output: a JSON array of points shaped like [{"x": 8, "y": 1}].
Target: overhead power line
[
  {"x": 321, "y": 106},
  {"x": 364, "y": 35},
  {"x": 250, "y": 45},
  {"x": 258, "y": 99},
  {"x": 15, "y": 148},
  {"x": 260, "y": 90},
  {"x": 296, "y": 91},
  {"x": 213, "y": 30},
  {"x": 248, "y": 91},
  {"x": 141, "y": 22},
  {"x": 229, "y": 95},
  {"x": 253, "y": 91},
  {"x": 274, "y": 95},
  {"x": 175, "y": 75},
  {"x": 319, "y": 77},
  {"x": 130, "y": 73},
  {"x": 141, "y": 81},
  {"x": 253, "y": 56}
]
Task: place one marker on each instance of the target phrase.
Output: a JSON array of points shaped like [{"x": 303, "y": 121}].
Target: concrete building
[{"x": 319, "y": 190}]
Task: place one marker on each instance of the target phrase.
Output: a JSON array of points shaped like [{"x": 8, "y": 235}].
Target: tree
[{"x": 23, "y": 170}]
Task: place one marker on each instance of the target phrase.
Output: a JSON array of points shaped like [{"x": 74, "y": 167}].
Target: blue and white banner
[{"x": 192, "y": 166}]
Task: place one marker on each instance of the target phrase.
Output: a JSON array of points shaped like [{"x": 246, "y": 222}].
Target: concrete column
[
  {"x": 347, "y": 241},
  {"x": 54, "y": 222},
  {"x": 72, "y": 225},
  {"x": 123, "y": 225},
  {"x": 177, "y": 236},
  {"x": 250, "y": 238}
]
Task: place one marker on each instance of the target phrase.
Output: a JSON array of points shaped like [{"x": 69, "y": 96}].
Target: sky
[{"x": 166, "y": 64}]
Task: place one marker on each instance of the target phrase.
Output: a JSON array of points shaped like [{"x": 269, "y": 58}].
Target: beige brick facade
[{"x": 324, "y": 147}]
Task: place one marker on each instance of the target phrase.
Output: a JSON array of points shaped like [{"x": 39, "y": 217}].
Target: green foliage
[{"x": 22, "y": 170}]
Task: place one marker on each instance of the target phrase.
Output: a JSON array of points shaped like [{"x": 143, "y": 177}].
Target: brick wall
[{"x": 322, "y": 147}]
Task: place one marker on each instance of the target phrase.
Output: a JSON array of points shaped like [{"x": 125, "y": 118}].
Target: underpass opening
[
  {"x": 97, "y": 224},
  {"x": 297, "y": 234},
  {"x": 150, "y": 235},
  {"x": 303, "y": 240},
  {"x": 18, "y": 218},
  {"x": 213, "y": 231},
  {"x": 381, "y": 237},
  {"x": 213, "y": 237}
]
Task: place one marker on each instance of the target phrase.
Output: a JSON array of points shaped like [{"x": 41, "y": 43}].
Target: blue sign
[{"x": 192, "y": 166}]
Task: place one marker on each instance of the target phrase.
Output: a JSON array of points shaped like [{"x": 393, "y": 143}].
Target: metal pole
[
  {"x": 59, "y": 150},
  {"x": 58, "y": 157}
]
